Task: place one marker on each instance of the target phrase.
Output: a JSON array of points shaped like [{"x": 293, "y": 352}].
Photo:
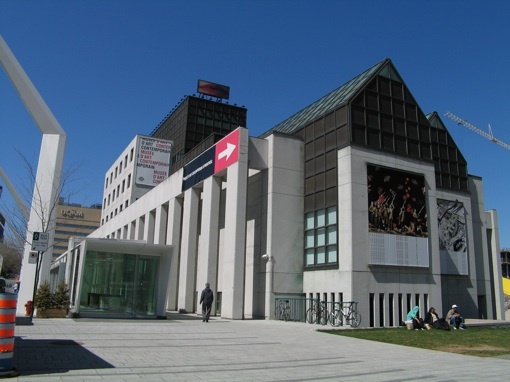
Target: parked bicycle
[
  {"x": 284, "y": 312},
  {"x": 345, "y": 311},
  {"x": 317, "y": 313}
]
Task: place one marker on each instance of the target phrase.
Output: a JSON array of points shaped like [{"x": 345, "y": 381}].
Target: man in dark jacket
[{"x": 206, "y": 299}]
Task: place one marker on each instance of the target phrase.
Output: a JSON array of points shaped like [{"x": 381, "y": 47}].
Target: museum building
[{"x": 360, "y": 196}]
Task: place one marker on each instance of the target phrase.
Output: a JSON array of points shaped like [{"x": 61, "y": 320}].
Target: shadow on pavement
[{"x": 33, "y": 357}]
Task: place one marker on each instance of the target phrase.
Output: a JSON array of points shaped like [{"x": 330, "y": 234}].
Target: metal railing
[{"x": 315, "y": 311}]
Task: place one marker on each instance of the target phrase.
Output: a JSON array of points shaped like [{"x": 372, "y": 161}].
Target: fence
[{"x": 314, "y": 311}]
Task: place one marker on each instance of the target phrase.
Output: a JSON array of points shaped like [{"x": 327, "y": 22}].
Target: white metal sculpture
[{"x": 49, "y": 171}]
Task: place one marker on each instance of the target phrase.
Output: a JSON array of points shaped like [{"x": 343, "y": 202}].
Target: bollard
[{"x": 8, "y": 303}]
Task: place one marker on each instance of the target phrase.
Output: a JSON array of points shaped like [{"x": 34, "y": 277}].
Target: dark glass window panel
[
  {"x": 400, "y": 127},
  {"x": 320, "y": 181},
  {"x": 454, "y": 169},
  {"x": 386, "y": 124},
  {"x": 320, "y": 145},
  {"x": 443, "y": 152},
  {"x": 331, "y": 141},
  {"x": 372, "y": 120},
  {"x": 385, "y": 105},
  {"x": 455, "y": 182},
  {"x": 309, "y": 168},
  {"x": 330, "y": 159},
  {"x": 319, "y": 164},
  {"x": 329, "y": 122},
  {"x": 387, "y": 142},
  {"x": 396, "y": 90},
  {"x": 452, "y": 153},
  {"x": 373, "y": 138},
  {"x": 412, "y": 130},
  {"x": 310, "y": 203},
  {"x": 358, "y": 134},
  {"x": 331, "y": 197},
  {"x": 359, "y": 100},
  {"x": 372, "y": 85},
  {"x": 435, "y": 151},
  {"x": 425, "y": 151},
  {"x": 319, "y": 127},
  {"x": 438, "y": 180},
  {"x": 331, "y": 178},
  {"x": 463, "y": 184},
  {"x": 310, "y": 185},
  {"x": 400, "y": 146},
  {"x": 462, "y": 170},
  {"x": 445, "y": 181},
  {"x": 445, "y": 166},
  {"x": 414, "y": 148},
  {"x": 433, "y": 136},
  {"x": 442, "y": 137},
  {"x": 309, "y": 151},
  {"x": 424, "y": 133},
  {"x": 371, "y": 100},
  {"x": 309, "y": 136},
  {"x": 398, "y": 108},
  {"x": 384, "y": 86},
  {"x": 341, "y": 116},
  {"x": 342, "y": 136},
  {"x": 319, "y": 199},
  {"x": 358, "y": 115},
  {"x": 411, "y": 112}
]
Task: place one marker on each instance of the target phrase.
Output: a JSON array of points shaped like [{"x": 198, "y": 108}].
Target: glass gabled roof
[{"x": 327, "y": 103}]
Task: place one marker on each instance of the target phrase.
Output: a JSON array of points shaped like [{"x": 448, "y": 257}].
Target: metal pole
[{"x": 37, "y": 267}]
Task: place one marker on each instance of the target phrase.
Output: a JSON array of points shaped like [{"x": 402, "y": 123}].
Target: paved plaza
[{"x": 183, "y": 348}]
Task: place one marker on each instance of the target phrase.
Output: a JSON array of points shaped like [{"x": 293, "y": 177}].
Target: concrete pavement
[{"x": 183, "y": 348}]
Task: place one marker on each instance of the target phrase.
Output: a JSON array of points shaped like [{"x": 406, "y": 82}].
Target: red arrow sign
[{"x": 227, "y": 151}]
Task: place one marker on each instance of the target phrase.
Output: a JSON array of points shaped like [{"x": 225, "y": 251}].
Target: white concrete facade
[{"x": 222, "y": 227}]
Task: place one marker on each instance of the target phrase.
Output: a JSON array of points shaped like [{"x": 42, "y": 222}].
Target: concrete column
[
  {"x": 208, "y": 249},
  {"x": 173, "y": 238},
  {"x": 188, "y": 250},
  {"x": 235, "y": 234},
  {"x": 160, "y": 224},
  {"x": 148, "y": 229}
]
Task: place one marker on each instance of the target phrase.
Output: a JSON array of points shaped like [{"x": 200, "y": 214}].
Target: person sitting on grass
[
  {"x": 454, "y": 318},
  {"x": 432, "y": 318},
  {"x": 414, "y": 316}
]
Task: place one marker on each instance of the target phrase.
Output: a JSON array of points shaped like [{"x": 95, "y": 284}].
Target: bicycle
[
  {"x": 317, "y": 313},
  {"x": 284, "y": 310},
  {"x": 352, "y": 316}
]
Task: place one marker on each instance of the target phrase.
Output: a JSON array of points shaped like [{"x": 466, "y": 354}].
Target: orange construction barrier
[{"x": 8, "y": 302}]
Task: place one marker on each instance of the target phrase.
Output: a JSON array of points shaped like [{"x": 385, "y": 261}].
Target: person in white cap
[{"x": 454, "y": 318}]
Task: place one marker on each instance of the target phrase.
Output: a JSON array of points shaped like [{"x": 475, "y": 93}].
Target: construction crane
[{"x": 488, "y": 135}]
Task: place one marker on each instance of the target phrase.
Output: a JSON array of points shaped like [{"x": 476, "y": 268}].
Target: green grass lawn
[{"x": 491, "y": 341}]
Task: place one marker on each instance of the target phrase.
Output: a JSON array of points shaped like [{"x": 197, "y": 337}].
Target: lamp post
[{"x": 269, "y": 300}]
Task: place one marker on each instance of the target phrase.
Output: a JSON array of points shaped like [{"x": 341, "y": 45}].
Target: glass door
[{"x": 146, "y": 282}]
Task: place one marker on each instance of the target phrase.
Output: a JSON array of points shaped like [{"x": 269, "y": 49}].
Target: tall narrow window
[{"x": 321, "y": 238}]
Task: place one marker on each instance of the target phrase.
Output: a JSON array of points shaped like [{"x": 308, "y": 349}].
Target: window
[{"x": 321, "y": 238}]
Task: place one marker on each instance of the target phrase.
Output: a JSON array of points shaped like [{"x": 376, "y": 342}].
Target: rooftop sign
[{"x": 212, "y": 89}]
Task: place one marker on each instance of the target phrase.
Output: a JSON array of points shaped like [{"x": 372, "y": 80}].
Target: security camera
[{"x": 265, "y": 256}]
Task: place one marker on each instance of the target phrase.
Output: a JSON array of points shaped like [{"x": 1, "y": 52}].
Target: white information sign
[
  {"x": 40, "y": 241},
  {"x": 152, "y": 161}
]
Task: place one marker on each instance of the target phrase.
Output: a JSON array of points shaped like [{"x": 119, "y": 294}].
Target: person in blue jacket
[{"x": 414, "y": 316}]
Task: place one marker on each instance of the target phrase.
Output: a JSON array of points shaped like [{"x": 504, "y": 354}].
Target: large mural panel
[
  {"x": 451, "y": 219},
  {"x": 397, "y": 213}
]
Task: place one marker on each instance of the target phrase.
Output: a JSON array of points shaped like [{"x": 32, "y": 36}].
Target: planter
[{"x": 51, "y": 313}]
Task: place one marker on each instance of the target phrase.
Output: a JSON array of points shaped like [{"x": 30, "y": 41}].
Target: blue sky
[{"x": 111, "y": 69}]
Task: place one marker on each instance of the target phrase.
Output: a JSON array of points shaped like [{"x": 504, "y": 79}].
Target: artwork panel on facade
[
  {"x": 451, "y": 220},
  {"x": 397, "y": 211},
  {"x": 396, "y": 202},
  {"x": 152, "y": 161}
]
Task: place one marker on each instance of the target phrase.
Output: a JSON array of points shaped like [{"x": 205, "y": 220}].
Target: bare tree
[{"x": 17, "y": 222}]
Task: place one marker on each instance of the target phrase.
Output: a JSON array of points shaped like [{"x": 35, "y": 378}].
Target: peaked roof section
[
  {"x": 436, "y": 122},
  {"x": 333, "y": 99}
]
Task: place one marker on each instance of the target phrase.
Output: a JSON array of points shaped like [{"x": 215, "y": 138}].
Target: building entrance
[{"x": 119, "y": 285}]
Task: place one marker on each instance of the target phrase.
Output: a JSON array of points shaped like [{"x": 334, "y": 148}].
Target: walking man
[{"x": 206, "y": 299}]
